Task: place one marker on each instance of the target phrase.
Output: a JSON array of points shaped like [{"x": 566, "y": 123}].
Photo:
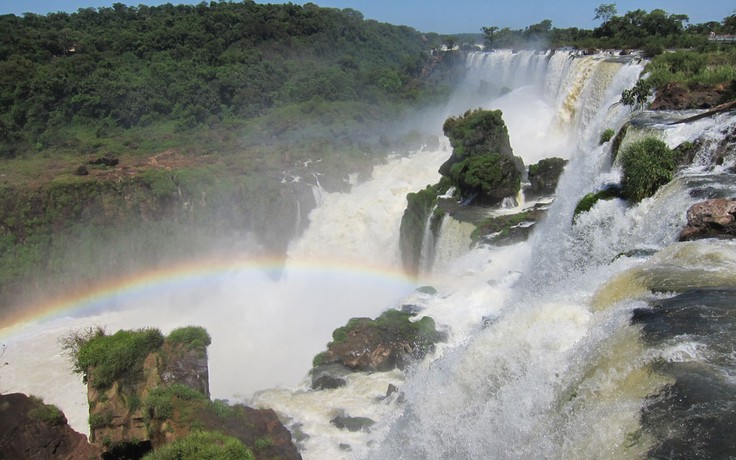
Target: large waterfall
[{"x": 553, "y": 350}]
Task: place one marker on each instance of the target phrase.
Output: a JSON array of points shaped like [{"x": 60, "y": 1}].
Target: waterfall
[
  {"x": 556, "y": 346},
  {"x": 577, "y": 361}
]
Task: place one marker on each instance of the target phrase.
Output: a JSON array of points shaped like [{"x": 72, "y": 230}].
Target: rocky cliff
[
  {"x": 32, "y": 430},
  {"x": 146, "y": 391}
]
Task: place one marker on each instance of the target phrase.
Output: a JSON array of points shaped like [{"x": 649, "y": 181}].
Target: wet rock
[
  {"x": 543, "y": 177},
  {"x": 714, "y": 218},
  {"x": 329, "y": 376},
  {"x": 30, "y": 429},
  {"x": 390, "y": 341},
  {"x": 353, "y": 424}
]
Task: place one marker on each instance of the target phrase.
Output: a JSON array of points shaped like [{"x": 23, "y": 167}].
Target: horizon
[{"x": 462, "y": 17}]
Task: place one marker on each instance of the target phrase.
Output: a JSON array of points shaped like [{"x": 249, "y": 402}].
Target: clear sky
[{"x": 446, "y": 16}]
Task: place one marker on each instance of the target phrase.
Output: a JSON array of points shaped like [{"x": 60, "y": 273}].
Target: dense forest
[
  {"x": 193, "y": 65},
  {"x": 652, "y": 32}
]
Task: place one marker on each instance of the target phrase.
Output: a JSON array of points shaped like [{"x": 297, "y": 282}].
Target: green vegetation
[
  {"x": 692, "y": 67},
  {"x": 102, "y": 359},
  {"x": 391, "y": 324},
  {"x": 421, "y": 208},
  {"x": 606, "y": 136},
  {"x": 189, "y": 337},
  {"x": 588, "y": 201},
  {"x": 161, "y": 400},
  {"x": 99, "y": 420},
  {"x": 651, "y": 31},
  {"x": 203, "y": 445},
  {"x": 647, "y": 165},
  {"x": 78, "y": 82},
  {"x": 482, "y": 165},
  {"x": 47, "y": 413},
  {"x": 500, "y": 224}
]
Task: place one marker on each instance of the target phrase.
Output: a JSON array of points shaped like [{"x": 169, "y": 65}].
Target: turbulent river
[{"x": 605, "y": 338}]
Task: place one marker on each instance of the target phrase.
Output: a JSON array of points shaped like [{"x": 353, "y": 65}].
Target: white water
[
  {"x": 265, "y": 329},
  {"x": 558, "y": 373}
]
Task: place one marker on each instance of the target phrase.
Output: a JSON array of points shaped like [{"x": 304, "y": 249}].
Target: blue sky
[{"x": 446, "y": 16}]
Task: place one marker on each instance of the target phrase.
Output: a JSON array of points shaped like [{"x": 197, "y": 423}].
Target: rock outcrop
[
  {"x": 679, "y": 96},
  {"x": 32, "y": 430},
  {"x": 146, "y": 391},
  {"x": 714, "y": 218},
  {"x": 544, "y": 176},
  {"x": 390, "y": 341}
]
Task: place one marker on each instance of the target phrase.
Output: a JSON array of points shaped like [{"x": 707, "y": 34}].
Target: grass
[
  {"x": 102, "y": 359},
  {"x": 47, "y": 413},
  {"x": 693, "y": 67},
  {"x": 203, "y": 445},
  {"x": 190, "y": 337}
]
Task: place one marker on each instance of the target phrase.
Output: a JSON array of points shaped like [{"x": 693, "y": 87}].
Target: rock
[
  {"x": 163, "y": 395},
  {"x": 81, "y": 171},
  {"x": 353, "y": 424},
  {"x": 714, "y": 218},
  {"x": 543, "y": 177},
  {"x": 106, "y": 160},
  {"x": 329, "y": 376},
  {"x": 679, "y": 96},
  {"x": 32, "y": 430},
  {"x": 390, "y": 341},
  {"x": 508, "y": 229},
  {"x": 482, "y": 165},
  {"x": 391, "y": 389}
]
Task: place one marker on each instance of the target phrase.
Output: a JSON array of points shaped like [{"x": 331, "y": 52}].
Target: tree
[{"x": 605, "y": 12}]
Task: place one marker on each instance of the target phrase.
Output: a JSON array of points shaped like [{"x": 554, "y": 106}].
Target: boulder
[
  {"x": 353, "y": 424},
  {"x": 390, "y": 341},
  {"x": 32, "y": 430},
  {"x": 482, "y": 165},
  {"x": 714, "y": 218},
  {"x": 543, "y": 177}
]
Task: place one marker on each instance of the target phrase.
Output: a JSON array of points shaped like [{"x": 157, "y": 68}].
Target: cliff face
[
  {"x": 118, "y": 414},
  {"x": 32, "y": 430},
  {"x": 163, "y": 396}
]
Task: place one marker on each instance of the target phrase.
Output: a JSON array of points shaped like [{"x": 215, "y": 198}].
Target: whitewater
[{"x": 543, "y": 359}]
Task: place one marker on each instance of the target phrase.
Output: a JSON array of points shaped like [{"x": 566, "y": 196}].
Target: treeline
[
  {"x": 650, "y": 31},
  {"x": 124, "y": 67}
]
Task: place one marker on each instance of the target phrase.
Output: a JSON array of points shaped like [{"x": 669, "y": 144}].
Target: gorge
[{"x": 601, "y": 336}]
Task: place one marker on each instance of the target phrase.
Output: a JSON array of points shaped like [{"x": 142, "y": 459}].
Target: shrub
[
  {"x": 588, "y": 201},
  {"x": 203, "y": 445},
  {"x": 102, "y": 359},
  {"x": 160, "y": 401},
  {"x": 647, "y": 165},
  {"x": 48, "y": 413},
  {"x": 606, "y": 136},
  {"x": 190, "y": 337}
]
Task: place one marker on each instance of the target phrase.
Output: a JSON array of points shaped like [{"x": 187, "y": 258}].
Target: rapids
[{"x": 558, "y": 347}]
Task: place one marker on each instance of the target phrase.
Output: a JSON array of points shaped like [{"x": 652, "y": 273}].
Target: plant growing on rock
[
  {"x": 190, "y": 337},
  {"x": 482, "y": 165},
  {"x": 203, "y": 445},
  {"x": 102, "y": 359},
  {"x": 647, "y": 165}
]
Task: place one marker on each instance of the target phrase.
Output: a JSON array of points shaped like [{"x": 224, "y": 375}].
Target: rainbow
[{"x": 192, "y": 274}]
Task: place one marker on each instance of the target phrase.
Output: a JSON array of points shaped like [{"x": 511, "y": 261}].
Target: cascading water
[
  {"x": 578, "y": 359},
  {"x": 556, "y": 346}
]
